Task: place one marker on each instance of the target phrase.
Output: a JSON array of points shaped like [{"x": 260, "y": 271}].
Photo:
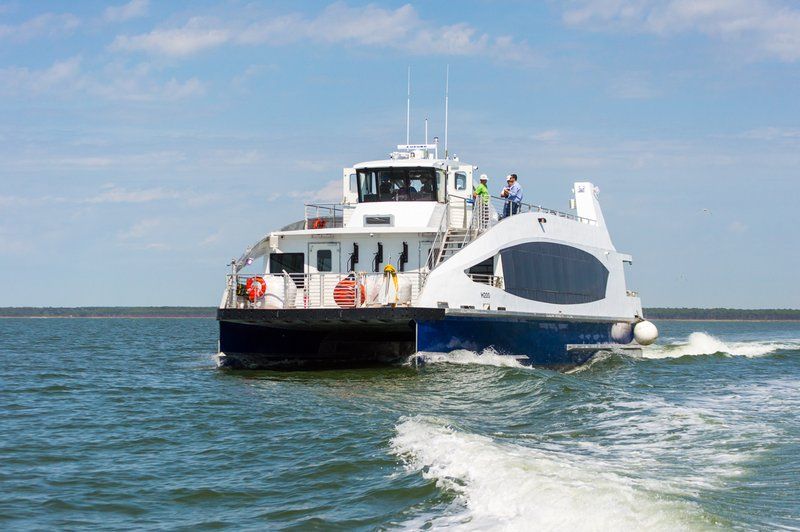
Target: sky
[{"x": 143, "y": 145}]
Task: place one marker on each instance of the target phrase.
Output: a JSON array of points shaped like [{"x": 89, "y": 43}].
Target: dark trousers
[{"x": 510, "y": 208}]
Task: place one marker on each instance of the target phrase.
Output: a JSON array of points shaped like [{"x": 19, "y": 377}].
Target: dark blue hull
[
  {"x": 542, "y": 342},
  {"x": 312, "y": 339}
]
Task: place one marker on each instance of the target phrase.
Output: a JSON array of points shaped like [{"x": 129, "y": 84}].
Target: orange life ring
[
  {"x": 344, "y": 294},
  {"x": 256, "y": 287},
  {"x": 319, "y": 223}
]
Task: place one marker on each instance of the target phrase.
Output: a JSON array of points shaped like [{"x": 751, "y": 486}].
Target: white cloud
[
  {"x": 770, "y": 27},
  {"x": 196, "y": 35},
  {"x": 44, "y": 25},
  {"x": 133, "y": 9},
  {"x": 551, "y": 135},
  {"x": 371, "y": 26},
  {"x": 121, "y": 195},
  {"x": 140, "y": 229},
  {"x": 116, "y": 82},
  {"x": 330, "y": 192},
  {"x": 60, "y": 75},
  {"x": 11, "y": 244},
  {"x": 772, "y": 134},
  {"x": 632, "y": 86}
]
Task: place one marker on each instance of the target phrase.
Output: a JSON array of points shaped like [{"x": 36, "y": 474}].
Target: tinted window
[
  {"x": 293, "y": 263},
  {"x": 553, "y": 273},
  {"x": 324, "y": 260},
  {"x": 367, "y": 186},
  {"x": 397, "y": 184},
  {"x": 482, "y": 272}
]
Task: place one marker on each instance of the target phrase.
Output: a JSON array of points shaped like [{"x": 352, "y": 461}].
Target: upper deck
[{"x": 408, "y": 214}]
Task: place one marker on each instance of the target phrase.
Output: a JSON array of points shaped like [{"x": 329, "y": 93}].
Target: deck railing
[
  {"x": 326, "y": 215},
  {"x": 323, "y": 290},
  {"x": 502, "y": 207},
  {"x": 491, "y": 280}
]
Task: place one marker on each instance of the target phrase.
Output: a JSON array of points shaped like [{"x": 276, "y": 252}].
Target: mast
[
  {"x": 446, "y": 105},
  {"x": 408, "y": 109}
]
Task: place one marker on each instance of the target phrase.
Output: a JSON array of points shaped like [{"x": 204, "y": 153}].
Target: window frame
[
  {"x": 398, "y": 174},
  {"x": 456, "y": 177},
  {"x": 329, "y": 259}
]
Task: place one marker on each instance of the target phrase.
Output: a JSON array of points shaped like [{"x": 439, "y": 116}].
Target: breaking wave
[
  {"x": 501, "y": 485},
  {"x": 487, "y": 357},
  {"x": 699, "y": 343}
]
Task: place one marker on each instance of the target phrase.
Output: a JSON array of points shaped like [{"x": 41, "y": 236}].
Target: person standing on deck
[
  {"x": 481, "y": 190},
  {"x": 513, "y": 196},
  {"x": 481, "y": 197}
]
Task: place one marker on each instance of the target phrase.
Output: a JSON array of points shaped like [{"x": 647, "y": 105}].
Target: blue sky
[{"x": 145, "y": 144}]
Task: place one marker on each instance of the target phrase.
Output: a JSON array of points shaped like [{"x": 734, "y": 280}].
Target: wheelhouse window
[{"x": 397, "y": 184}]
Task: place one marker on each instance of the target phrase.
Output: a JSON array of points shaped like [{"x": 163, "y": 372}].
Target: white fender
[
  {"x": 274, "y": 293},
  {"x": 622, "y": 333},
  {"x": 645, "y": 332}
]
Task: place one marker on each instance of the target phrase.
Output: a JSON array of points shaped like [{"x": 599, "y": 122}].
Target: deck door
[{"x": 324, "y": 268}]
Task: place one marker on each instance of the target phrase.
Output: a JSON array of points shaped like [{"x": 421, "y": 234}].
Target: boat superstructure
[{"x": 410, "y": 262}]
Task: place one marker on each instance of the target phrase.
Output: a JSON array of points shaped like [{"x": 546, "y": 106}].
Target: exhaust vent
[{"x": 386, "y": 221}]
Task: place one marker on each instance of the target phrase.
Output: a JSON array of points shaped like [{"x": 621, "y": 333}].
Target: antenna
[
  {"x": 408, "y": 110},
  {"x": 446, "y": 105},
  {"x": 426, "y": 131}
]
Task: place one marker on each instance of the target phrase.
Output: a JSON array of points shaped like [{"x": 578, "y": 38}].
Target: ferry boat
[{"x": 409, "y": 263}]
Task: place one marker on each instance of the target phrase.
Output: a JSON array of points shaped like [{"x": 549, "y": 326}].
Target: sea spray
[
  {"x": 500, "y": 485},
  {"x": 700, "y": 343}
]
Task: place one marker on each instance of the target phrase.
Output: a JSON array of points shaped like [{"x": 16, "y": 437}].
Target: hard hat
[{"x": 484, "y": 177}]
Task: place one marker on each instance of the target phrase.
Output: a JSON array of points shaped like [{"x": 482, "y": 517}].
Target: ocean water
[{"x": 127, "y": 423}]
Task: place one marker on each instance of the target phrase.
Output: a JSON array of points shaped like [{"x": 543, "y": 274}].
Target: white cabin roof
[{"x": 403, "y": 163}]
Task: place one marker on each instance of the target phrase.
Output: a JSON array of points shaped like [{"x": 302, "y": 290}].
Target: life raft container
[
  {"x": 344, "y": 294},
  {"x": 256, "y": 287}
]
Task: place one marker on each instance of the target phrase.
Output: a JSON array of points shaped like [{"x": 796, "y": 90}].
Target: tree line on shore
[
  {"x": 210, "y": 312},
  {"x": 768, "y": 314}
]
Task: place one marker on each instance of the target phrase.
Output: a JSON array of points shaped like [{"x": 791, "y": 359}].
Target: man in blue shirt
[{"x": 513, "y": 196}]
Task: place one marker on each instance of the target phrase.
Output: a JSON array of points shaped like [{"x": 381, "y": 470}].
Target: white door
[
  {"x": 324, "y": 266},
  {"x": 459, "y": 192},
  {"x": 349, "y": 186},
  {"x": 324, "y": 258}
]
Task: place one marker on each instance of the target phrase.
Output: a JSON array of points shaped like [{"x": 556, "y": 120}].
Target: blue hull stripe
[{"x": 543, "y": 342}]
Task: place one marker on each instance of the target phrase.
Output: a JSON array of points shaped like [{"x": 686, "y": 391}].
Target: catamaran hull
[{"x": 347, "y": 338}]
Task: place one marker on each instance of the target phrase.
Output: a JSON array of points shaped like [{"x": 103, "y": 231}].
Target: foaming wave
[
  {"x": 700, "y": 343},
  {"x": 601, "y": 359},
  {"x": 513, "y": 487},
  {"x": 487, "y": 357}
]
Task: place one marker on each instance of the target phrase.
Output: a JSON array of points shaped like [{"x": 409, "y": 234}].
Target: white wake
[
  {"x": 487, "y": 357},
  {"x": 700, "y": 343},
  {"x": 510, "y": 487}
]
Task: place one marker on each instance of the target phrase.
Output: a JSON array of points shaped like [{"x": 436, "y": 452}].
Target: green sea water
[{"x": 128, "y": 424}]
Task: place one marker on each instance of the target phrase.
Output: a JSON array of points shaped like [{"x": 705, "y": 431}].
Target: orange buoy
[
  {"x": 319, "y": 223},
  {"x": 344, "y": 294},
  {"x": 256, "y": 287}
]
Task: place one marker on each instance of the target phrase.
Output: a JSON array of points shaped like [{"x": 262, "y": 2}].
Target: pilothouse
[{"x": 410, "y": 263}]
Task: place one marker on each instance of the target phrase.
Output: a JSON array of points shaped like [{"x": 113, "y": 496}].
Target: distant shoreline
[
  {"x": 654, "y": 314},
  {"x": 114, "y": 317},
  {"x": 205, "y": 317}
]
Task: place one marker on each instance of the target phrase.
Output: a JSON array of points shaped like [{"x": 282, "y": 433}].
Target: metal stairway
[{"x": 453, "y": 241}]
